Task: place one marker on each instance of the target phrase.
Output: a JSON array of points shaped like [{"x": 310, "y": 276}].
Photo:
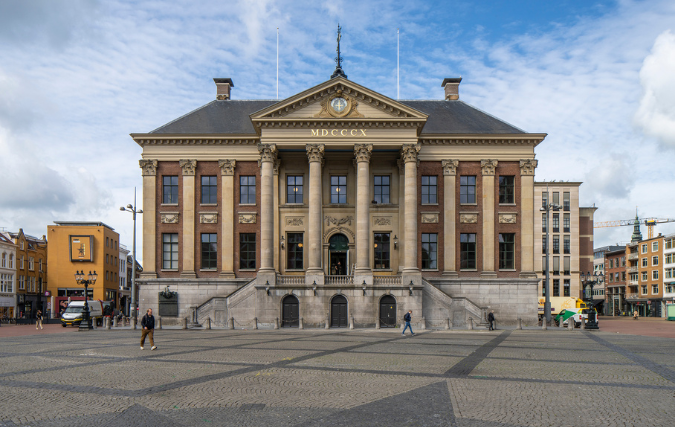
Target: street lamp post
[
  {"x": 588, "y": 281},
  {"x": 547, "y": 207},
  {"x": 85, "y": 324},
  {"x": 134, "y": 211}
]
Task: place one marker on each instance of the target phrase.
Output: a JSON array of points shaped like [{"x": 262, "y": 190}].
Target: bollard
[
  {"x": 115, "y": 322},
  {"x": 351, "y": 323},
  {"x": 447, "y": 323},
  {"x": 520, "y": 324},
  {"x": 208, "y": 323},
  {"x": 423, "y": 326},
  {"x": 93, "y": 323},
  {"x": 276, "y": 323},
  {"x": 134, "y": 322},
  {"x": 544, "y": 324},
  {"x": 108, "y": 323},
  {"x": 159, "y": 322},
  {"x": 230, "y": 323},
  {"x": 327, "y": 322},
  {"x": 255, "y": 323},
  {"x": 300, "y": 324},
  {"x": 185, "y": 322},
  {"x": 570, "y": 323},
  {"x": 377, "y": 323},
  {"x": 560, "y": 322},
  {"x": 583, "y": 324},
  {"x": 470, "y": 324}
]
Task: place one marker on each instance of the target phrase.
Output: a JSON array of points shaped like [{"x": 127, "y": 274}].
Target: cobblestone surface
[{"x": 329, "y": 377}]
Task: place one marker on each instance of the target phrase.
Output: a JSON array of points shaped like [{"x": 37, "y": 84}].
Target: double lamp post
[
  {"x": 133, "y": 209},
  {"x": 85, "y": 324}
]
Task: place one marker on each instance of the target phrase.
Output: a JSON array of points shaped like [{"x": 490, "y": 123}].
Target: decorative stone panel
[
  {"x": 208, "y": 218},
  {"x": 169, "y": 217},
  {"x": 248, "y": 218},
  {"x": 189, "y": 166},
  {"x": 450, "y": 167},
  {"x": 346, "y": 220},
  {"x": 528, "y": 166},
  {"x": 295, "y": 221},
  {"x": 508, "y": 218},
  {"x": 488, "y": 166},
  {"x": 227, "y": 166},
  {"x": 468, "y": 218},
  {"x": 430, "y": 218},
  {"x": 382, "y": 221}
]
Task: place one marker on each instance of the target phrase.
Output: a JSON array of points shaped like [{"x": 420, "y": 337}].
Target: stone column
[
  {"x": 149, "y": 168},
  {"x": 410, "y": 270},
  {"x": 449, "y": 217},
  {"x": 488, "y": 167},
  {"x": 189, "y": 167},
  {"x": 527, "y": 168},
  {"x": 227, "y": 218},
  {"x": 314, "y": 269},
  {"x": 267, "y": 157},
  {"x": 362, "y": 154},
  {"x": 277, "y": 164},
  {"x": 401, "y": 214}
]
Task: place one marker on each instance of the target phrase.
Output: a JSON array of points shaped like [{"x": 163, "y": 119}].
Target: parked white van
[{"x": 73, "y": 314}]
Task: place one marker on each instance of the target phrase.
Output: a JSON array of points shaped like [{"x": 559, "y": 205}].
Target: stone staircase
[
  {"x": 439, "y": 307},
  {"x": 220, "y": 309}
]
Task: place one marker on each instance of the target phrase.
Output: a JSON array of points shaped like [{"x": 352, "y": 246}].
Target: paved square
[{"x": 337, "y": 377}]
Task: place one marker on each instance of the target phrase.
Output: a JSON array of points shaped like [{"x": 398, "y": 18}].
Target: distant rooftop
[{"x": 83, "y": 224}]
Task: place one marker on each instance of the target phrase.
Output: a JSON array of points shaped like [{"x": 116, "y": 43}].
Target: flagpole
[
  {"x": 277, "y": 62},
  {"x": 398, "y": 55}
]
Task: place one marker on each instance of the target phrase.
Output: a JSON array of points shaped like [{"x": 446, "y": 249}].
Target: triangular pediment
[{"x": 339, "y": 99}]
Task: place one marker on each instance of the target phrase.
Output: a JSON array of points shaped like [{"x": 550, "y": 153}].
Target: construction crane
[{"x": 649, "y": 222}]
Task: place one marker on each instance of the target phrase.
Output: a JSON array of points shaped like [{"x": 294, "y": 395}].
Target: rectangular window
[
  {"x": 556, "y": 288},
  {"x": 556, "y": 244},
  {"x": 611, "y": 278},
  {"x": 655, "y": 289},
  {"x": 655, "y": 274},
  {"x": 21, "y": 263},
  {"x": 294, "y": 189},
  {"x": 669, "y": 244},
  {"x": 209, "y": 190},
  {"x": 381, "y": 188},
  {"x": 668, "y": 274},
  {"x": 544, "y": 199},
  {"x": 645, "y": 262},
  {"x": 544, "y": 267},
  {"x": 507, "y": 246},
  {"x": 566, "y": 266},
  {"x": 555, "y": 223},
  {"x": 543, "y": 222},
  {"x": 644, "y": 276},
  {"x": 623, "y": 261},
  {"x": 566, "y": 223},
  {"x": 22, "y": 282},
  {"x": 170, "y": 251},
  {"x": 31, "y": 264},
  {"x": 429, "y": 189},
  {"x": 381, "y": 256},
  {"x": 644, "y": 249},
  {"x": 170, "y": 189},
  {"x": 543, "y": 288},
  {"x": 655, "y": 260},
  {"x": 507, "y": 189},
  {"x": 467, "y": 251},
  {"x": 655, "y": 246},
  {"x": 566, "y": 244},
  {"x": 338, "y": 189},
  {"x": 566, "y": 287},
  {"x": 467, "y": 189},
  {"x": 247, "y": 190},
  {"x": 247, "y": 251},
  {"x": 566, "y": 201},
  {"x": 209, "y": 251},
  {"x": 429, "y": 251},
  {"x": 669, "y": 260},
  {"x": 644, "y": 289},
  {"x": 556, "y": 198},
  {"x": 544, "y": 244},
  {"x": 294, "y": 256},
  {"x": 556, "y": 265}
]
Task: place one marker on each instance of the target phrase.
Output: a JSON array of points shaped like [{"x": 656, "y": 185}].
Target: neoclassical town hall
[{"x": 339, "y": 207}]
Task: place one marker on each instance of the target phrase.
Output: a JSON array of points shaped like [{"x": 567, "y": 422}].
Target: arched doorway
[
  {"x": 338, "y": 312},
  {"x": 388, "y": 312},
  {"x": 338, "y": 255},
  {"x": 290, "y": 312}
]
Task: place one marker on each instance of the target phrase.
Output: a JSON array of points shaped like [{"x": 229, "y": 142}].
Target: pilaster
[
  {"x": 314, "y": 272},
  {"x": 227, "y": 238},
  {"x": 488, "y": 167},
  {"x": 527, "y": 168},
  {"x": 449, "y": 218},
  {"x": 189, "y": 167},
  {"x": 268, "y": 155},
  {"x": 410, "y": 271},
  {"x": 149, "y": 172},
  {"x": 362, "y": 153}
]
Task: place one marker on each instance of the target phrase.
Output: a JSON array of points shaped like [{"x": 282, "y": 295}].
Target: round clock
[{"x": 338, "y": 104}]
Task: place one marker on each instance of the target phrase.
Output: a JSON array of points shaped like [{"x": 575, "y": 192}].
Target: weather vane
[{"x": 338, "y": 60}]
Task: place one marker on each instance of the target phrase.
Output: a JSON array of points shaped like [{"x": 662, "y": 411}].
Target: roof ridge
[
  {"x": 494, "y": 117},
  {"x": 184, "y": 115}
]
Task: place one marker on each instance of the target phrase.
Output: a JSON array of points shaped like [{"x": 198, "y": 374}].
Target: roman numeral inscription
[{"x": 338, "y": 132}]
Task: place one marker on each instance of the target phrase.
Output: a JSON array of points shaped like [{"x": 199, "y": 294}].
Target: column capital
[
  {"x": 527, "y": 166},
  {"x": 409, "y": 152},
  {"x": 488, "y": 166},
  {"x": 227, "y": 166},
  {"x": 450, "y": 167},
  {"x": 268, "y": 152},
  {"x": 362, "y": 152},
  {"x": 275, "y": 166},
  {"x": 189, "y": 166},
  {"x": 149, "y": 167},
  {"x": 315, "y": 152}
]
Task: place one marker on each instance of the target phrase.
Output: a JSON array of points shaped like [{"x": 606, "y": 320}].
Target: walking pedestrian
[
  {"x": 491, "y": 320},
  {"x": 148, "y": 324},
  {"x": 635, "y": 315},
  {"x": 408, "y": 319},
  {"x": 38, "y": 319}
]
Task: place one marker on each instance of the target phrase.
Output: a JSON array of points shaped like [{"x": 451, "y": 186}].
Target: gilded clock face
[{"x": 338, "y": 104}]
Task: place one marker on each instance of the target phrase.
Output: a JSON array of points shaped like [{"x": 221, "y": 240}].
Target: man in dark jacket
[
  {"x": 408, "y": 319},
  {"x": 148, "y": 324},
  {"x": 491, "y": 320}
]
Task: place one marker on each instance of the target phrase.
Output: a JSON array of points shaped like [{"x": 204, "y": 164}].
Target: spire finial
[{"x": 338, "y": 60}]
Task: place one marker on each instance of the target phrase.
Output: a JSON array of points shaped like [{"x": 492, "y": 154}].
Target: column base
[
  {"x": 411, "y": 275},
  {"x": 450, "y": 274},
  {"x": 266, "y": 278},
  {"x": 488, "y": 275},
  {"x": 314, "y": 276},
  {"x": 188, "y": 275},
  {"x": 363, "y": 276},
  {"x": 528, "y": 275},
  {"x": 227, "y": 275}
]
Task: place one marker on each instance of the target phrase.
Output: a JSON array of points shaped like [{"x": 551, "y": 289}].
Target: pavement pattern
[{"x": 337, "y": 377}]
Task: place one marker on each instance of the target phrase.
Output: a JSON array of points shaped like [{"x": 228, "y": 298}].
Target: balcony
[
  {"x": 290, "y": 280},
  {"x": 339, "y": 280},
  {"x": 632, "y": 269},
  {"x": 633, "y": 282},
  {"x": 633, "y": 257},
  {"x": 632, "y": 296}
]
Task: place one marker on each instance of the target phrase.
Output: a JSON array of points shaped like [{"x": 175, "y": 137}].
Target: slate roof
[{"x": 232, "y": 117}]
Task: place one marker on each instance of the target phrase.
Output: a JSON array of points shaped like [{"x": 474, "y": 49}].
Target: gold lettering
[
  {"x": 332, "y": 132},
  {"x": 342, "y": 132},
  {"x": 324, "y": 132},
  {"x": 363, "y": 132},
  {"x": 315, "y": 132},
  {"x": 353, "y": 132}
]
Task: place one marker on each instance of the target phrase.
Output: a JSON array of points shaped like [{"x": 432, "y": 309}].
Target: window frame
[
  {"x": 507, "y": 251},
  {"x": 429, "y": 190},
  {"x": 245, "y": 187},
  {"x": 507, "y": 189},
  {"x": 338, "y": 190},
  {"x": 431, "y": 243},
  {"x": 295, "y": 251},
  {"x": 379, "y": 197},
  {"x": 382, "y": 251},
  {"x": 567, "y": 221},
  {"x": 245, "y": 261},
  {"x": 467, "y": 247},
  {"x": 171, "y": 251},
  {"x": 567, "y": 245},
  {"x": 298, "y": 188},
  {"x": 464, "y": 193},
  {"x": 209, "y": 251},
  {"x": 210, "y": 190},
  {"x": 170, "y": 197}
]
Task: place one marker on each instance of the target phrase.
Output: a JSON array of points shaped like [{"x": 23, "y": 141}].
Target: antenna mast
[
  {"x": 398, "y": 56},
  {"x": 277, "y": 62}
]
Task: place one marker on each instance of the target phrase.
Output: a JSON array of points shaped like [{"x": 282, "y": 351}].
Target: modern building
[
  {"x": 618, "y": 280},
  {"x": 31, "y": 273},
  {"x": 599, "y": 268},
  {"x": 645, "y": 293},
  {"x": 7, "y": 277},
  {"x": 82, "y": 246},
  {"x": 571, "y": 232},
  {"x": 668, "y": 270},
  {"x": 339, "y": 206}
]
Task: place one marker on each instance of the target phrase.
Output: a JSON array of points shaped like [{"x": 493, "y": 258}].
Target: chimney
[
  {"x": 223, "y": 89},
  {"x": 451, "y": 88}
]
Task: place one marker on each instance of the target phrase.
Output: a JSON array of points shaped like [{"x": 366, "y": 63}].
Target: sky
[{"x": 78, "y": 76}]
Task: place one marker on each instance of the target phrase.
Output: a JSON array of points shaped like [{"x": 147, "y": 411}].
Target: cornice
[
  {"x": 145, "y": 140},
  {"x": 532, "y": 139}
]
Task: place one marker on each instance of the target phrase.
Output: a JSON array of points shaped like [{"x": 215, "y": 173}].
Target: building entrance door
[
  {"x": 388, "y": 312},
  {"x": 290, "y": 312},
  {"x": 338, "y": 312},
  {"x": 338, "y": 251}
]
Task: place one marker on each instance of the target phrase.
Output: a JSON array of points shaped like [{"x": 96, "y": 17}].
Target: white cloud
[{"x": 656, "y": 114}]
